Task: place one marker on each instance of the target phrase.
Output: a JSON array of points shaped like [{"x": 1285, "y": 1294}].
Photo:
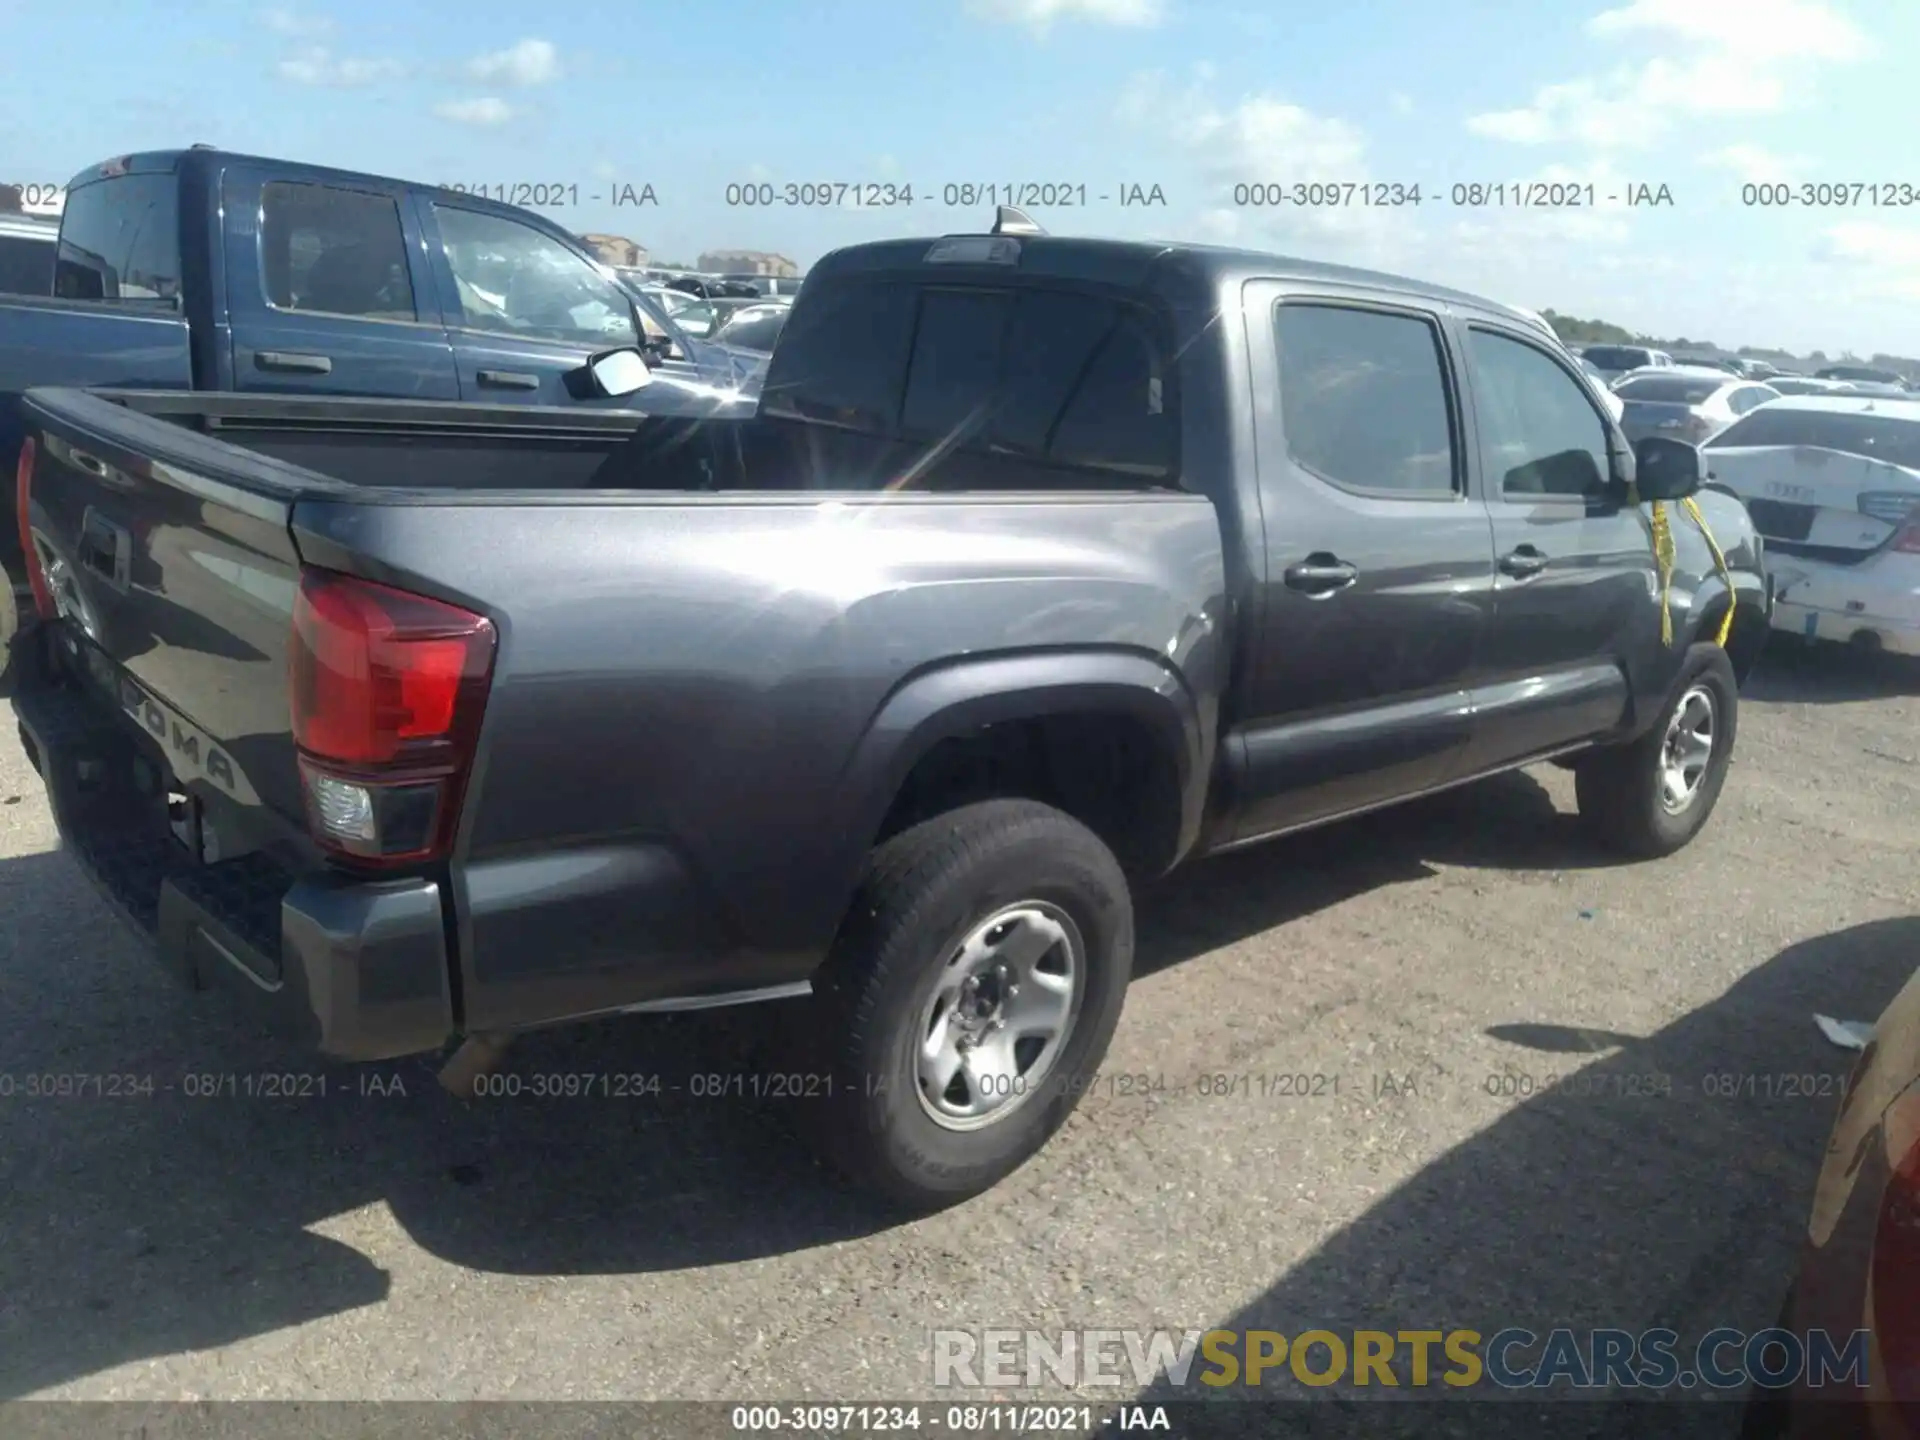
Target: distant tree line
[{"x": 1604, "y": 332}]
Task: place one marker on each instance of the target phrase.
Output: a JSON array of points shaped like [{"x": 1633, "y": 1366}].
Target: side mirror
[
  {"x": 614, "y": 373},
  {"x": 1665, "y": 469}
]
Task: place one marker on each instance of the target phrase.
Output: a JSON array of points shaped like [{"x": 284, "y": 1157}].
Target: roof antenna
[{"x": 1010, "y": 221}]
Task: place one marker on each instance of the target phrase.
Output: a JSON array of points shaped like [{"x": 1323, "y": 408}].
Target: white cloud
[
  {"x": 1886, "y": 258},
  {"x": 320, "y": 66},
  {"x": 527, "y": 62},
  {"x": 485, "y": 111},
  {"x": 1723, "y": 57},
  {"x": 285, "y": 20},
  {"x": 1268, "y": 140},
  {"x": 1039, "y": 16},
  {"x": 1777, "y": 29},
  {"x": 1755, "y": 164}
]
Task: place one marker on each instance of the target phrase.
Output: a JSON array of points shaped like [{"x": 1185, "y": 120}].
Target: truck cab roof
[
  {"x": 1182, "y": 271},
  {"x": 208, "y": 162}
]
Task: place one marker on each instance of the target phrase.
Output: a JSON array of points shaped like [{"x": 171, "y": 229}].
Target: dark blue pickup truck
[{"x": 202, "y": 270}]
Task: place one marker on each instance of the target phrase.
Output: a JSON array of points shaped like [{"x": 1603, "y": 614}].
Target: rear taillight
[
  {"x": 1906, "y": 539},
  {"x": 388, "y": 689},
  {"x": 23, "y": 511}
]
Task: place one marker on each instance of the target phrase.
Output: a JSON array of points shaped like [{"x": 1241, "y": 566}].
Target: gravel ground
[{"x": 1440, "y": 963}]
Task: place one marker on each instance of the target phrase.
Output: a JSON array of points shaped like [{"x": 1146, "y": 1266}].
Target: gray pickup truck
[{"x": 1046, "y": 565}]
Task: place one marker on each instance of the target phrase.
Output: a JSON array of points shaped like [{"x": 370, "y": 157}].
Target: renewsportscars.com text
[{"x": 1508, "y": 1359}]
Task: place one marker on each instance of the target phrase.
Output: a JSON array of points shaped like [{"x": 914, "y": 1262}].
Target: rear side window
[
  {"x": 1363, "y": 398},
  {"x": 334, "y": 252},
  {"x": 1057, "y": 378},
  {"x": 120, "y": 240},
  {"x": 26, "y": 266},
  {"x": 1875, "y": 437}
]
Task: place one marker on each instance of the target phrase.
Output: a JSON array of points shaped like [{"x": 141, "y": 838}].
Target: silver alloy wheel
[
  {"x": 1000, "y": 1013},
  {"x": 1687, "y": 748}
]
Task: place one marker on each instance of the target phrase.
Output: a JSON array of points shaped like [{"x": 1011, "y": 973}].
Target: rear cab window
[
  {"x": 120, "y": 240},
  {"x": 1055, "y": 387}
]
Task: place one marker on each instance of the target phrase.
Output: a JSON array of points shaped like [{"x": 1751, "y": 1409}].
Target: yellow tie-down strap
[{"x": 1663, "y": 555}]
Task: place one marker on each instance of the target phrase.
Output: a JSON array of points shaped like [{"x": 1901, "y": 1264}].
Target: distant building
[
  {"x": 747, "y": 262},
  {"x": 617, "y": 249}
]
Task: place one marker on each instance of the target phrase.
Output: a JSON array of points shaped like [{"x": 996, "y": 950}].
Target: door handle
[
  {"x": 1321, "y": 574},
  {"x": 106, "y": 548},
  {"x": 292, "y": 363},
  {"x": 509, "y": 380},
  {"x": 1523, "y": 563}
]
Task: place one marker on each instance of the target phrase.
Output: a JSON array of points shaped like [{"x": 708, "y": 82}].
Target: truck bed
[{"x": 704, "y": 674}]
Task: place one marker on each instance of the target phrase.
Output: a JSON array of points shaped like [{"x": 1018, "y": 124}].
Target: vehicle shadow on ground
[
  {"x": 1792, "y": 672},
  {"x": 1508, "y": 822},
  {"x": 166, "y": 1203},
  {"x": 1594, "y": 1206}
]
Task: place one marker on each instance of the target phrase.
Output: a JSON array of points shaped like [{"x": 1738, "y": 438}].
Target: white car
[
  {"x": 1833, "y": 485},
  {"x": 1689, "y": 405}
]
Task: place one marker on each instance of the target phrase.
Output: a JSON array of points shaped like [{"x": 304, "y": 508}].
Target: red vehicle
[{"x": 1860, "y": 1268}]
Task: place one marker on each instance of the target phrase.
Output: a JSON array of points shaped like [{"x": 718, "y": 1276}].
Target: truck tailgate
[
  {"x": 157, "y": 711},
  {"x": 182, "y": 575}
]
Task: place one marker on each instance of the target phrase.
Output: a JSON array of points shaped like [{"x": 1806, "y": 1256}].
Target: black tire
[
  {"x": 1619, "y": 788},
  {"x": 924, "y": 891}
]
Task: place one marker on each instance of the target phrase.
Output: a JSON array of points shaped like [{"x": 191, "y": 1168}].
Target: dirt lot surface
[{"x": 1441, "y": 969}]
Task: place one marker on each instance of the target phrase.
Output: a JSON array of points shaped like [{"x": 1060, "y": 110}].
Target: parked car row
[
  {"x": 709, "y": 286},
  {"x": 1828, "y": 466}
]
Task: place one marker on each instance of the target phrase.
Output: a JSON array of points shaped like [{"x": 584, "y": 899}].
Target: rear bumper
[
  {"x": 1848, "y": 602},
  {"x": 357, "y": 969}
]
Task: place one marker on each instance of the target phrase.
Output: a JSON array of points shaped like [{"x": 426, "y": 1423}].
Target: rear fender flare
[{"x": 956, "y": 698}]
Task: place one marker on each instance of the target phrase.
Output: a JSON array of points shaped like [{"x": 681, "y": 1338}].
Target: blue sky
[{"x": 1194, "y": 96}]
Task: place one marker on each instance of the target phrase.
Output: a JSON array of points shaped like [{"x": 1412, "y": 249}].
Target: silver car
[{"x": 1689, "y": 406}]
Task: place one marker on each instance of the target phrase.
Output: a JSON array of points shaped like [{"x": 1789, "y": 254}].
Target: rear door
[
  {"x": 328, "y": 290},
  {"x": 1575, "y": 563},
  {"x": 526, "y": 313},
  {"x": 1378, "y": 566}
]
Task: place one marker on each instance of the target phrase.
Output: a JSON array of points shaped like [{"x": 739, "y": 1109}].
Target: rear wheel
[
  {"x": 1651, "y": 797},
  {"x": 977, "y": 981}
]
